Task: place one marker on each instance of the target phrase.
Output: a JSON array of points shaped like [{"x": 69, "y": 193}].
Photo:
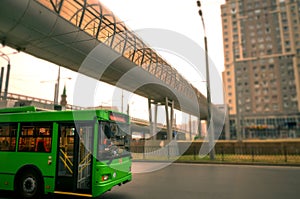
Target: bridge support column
[
  {"x": 155, "y": 121},
  {"x": 199, "y": 128},
  {"x": 190, "y": 127},
  {"x": 152, "y": 124},
  {"x": 169, "y": 118},
  {"x": 150, "y": 117}
]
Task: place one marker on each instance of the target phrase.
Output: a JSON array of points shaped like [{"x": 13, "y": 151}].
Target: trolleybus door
[{"x": 74, "y": 158}]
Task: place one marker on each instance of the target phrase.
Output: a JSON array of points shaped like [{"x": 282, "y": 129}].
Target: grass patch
[{"x": 237, "y": 158}]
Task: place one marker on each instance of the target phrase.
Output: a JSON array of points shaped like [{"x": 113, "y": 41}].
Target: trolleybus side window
[
  {"x": 35, "y": 137},
  {"x": 8, "y": 136}
]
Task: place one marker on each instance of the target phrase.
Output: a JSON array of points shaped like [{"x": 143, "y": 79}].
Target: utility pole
[
  {"x": 56, "y": 88},
  {"x": 1, "y": 80},
  {"x": 210, "y": 126}
]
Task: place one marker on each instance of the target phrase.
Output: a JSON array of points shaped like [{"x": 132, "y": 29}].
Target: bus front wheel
[{"x": 29, "y": 185}]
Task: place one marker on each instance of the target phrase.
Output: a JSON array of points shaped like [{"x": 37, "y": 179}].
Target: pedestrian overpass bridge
[{"x": 67, "y": 32}]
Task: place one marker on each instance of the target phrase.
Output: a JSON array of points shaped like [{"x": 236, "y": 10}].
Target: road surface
[{"x": 196, "y": 181}]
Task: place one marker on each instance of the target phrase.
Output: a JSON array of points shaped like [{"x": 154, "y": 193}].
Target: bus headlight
[{"x": 105, "y": 177}]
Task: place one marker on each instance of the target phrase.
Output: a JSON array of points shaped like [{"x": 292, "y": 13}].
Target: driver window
[{"x": 107, "y": 131}]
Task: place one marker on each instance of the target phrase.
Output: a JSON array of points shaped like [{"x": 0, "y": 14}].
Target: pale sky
[
  {"x": 181, "y": 17},
  {"x": 175, "y": 15}
]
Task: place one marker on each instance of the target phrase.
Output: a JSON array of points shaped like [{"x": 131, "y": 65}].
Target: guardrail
[
  {"x": 13, "y": 96},
  {"x": 20, "y": 97}
]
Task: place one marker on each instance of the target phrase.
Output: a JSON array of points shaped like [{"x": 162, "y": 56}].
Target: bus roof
[
  {"x": 18, "y": 109},
  {"x": 30, "y": 114}
]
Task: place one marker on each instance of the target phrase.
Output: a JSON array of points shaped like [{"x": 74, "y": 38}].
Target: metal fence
[{"x": 269, "y": 154}]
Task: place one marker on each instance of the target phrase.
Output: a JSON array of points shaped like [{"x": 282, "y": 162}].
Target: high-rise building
[{"x": 262, "y": 67}]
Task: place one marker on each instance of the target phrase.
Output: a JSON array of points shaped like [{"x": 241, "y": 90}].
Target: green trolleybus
[{"x": 83, "y": 153}]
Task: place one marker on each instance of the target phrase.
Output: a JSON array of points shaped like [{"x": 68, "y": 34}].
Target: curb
[{"x": 221, "y": 163}]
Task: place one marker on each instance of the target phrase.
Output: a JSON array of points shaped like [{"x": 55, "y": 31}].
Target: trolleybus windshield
[{"x": 114, "y": 140}]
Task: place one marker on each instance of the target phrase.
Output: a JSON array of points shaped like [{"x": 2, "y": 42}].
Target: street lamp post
[
  {"x": 210, "y": 129},
  {"x": 56, "y": 87},
  {"x": 5, "y": 56}
]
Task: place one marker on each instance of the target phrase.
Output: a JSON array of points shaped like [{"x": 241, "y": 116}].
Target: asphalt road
[{"x": 196, "y": 181}]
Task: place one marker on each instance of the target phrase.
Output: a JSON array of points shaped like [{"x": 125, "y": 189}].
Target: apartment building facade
[{"x": 262, "y": 67}]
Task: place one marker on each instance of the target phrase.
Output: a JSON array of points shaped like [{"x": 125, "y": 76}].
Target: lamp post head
[
  {"x": 198, "y": 3},
  {"x": 200, "y": 12}
]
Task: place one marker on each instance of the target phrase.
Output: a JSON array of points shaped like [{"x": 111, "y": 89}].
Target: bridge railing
[
  {"x": 14, "y": 96},
  {"x": 20, "y": 97}
]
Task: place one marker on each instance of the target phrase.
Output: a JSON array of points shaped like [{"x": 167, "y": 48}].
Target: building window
[{"x": 275, "y": 107}]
